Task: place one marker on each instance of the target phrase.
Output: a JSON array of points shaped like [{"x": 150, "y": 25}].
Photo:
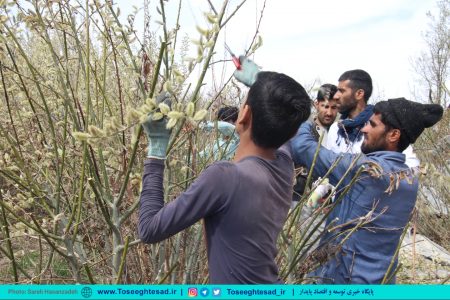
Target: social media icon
[
  {"x": 204, "y": 292},
  {"x": 192, "y": 292},
  {"x": 216, "y": 292}
]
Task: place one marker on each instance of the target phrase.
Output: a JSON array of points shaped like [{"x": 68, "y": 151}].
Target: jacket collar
[{"x": 389, "y": 155}]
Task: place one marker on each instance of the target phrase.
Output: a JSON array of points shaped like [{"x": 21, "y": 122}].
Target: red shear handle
[{"x": 236, "y": 62}]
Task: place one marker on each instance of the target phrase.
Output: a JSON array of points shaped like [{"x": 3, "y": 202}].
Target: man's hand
[
  {"x": 225, "y": 128},
  {"x": 319, "y": 192},
  {"x": 248, "y": 72},
  {"x": 157, "y": 133}
]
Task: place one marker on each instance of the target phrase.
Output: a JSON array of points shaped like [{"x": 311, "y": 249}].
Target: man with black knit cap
[{"x": 368, "y": 220}]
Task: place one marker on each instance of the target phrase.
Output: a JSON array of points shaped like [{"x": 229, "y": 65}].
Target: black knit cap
[{"x": 414, "y": 117}]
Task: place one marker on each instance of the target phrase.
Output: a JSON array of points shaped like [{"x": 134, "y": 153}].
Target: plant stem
[{"x": 122, "y": 261}]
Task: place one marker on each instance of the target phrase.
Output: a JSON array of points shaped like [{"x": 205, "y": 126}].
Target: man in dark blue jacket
[{"x": 370, "y": 217}]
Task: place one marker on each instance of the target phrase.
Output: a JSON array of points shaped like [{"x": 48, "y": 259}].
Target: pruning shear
[{"x": 235, "y": 59}]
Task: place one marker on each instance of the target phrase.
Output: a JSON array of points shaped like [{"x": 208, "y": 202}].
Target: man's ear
[
  {"x": 359, "y": 94},
  {"x": 393, "y": 135},
  {"x": 244, "y": 115},
  {"x": 244, "y": 121},
  {"x": 316, "y": 104}
]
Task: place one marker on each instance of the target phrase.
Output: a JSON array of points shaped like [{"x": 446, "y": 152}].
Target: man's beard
[{"x": 366, "y": 149}]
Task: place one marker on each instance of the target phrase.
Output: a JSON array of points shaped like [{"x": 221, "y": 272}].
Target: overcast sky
[{"x": 320, "y": 39}]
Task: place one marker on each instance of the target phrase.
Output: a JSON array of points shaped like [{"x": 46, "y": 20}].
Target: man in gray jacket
[{"x": 244, "y": 203}]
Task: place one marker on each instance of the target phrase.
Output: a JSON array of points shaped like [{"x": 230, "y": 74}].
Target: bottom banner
[{"x": 180, "y": 292}]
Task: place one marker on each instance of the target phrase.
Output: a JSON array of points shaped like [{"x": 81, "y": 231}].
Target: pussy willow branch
[
  {"x": 5, "y": 226},
  {"x": 9, "y": 109},
  {"x": 257, "y": 28},
  {"x": 202, "y": 74},
  {"x": 291, "y": 265},
  {"x": 222, "y": 24}
]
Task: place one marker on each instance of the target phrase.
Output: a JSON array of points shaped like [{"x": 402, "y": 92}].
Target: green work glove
[
  {"x": 248, "y": 72},
  {"x": 157, "y": 133}
]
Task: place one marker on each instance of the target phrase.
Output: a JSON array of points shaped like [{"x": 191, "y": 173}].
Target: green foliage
[
  {"x": 76, "y": 83},
  {"x": 434, "y": 201}
]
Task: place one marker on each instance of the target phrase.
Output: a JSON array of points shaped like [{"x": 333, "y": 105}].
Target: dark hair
[
  {"x": 279, "y": 104},
  {"x": 391, "y": 122},
  {"x": 359, "y": 79},
  {"x": 228, "y": 114},
  {"x": 326, "y": 92}
]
